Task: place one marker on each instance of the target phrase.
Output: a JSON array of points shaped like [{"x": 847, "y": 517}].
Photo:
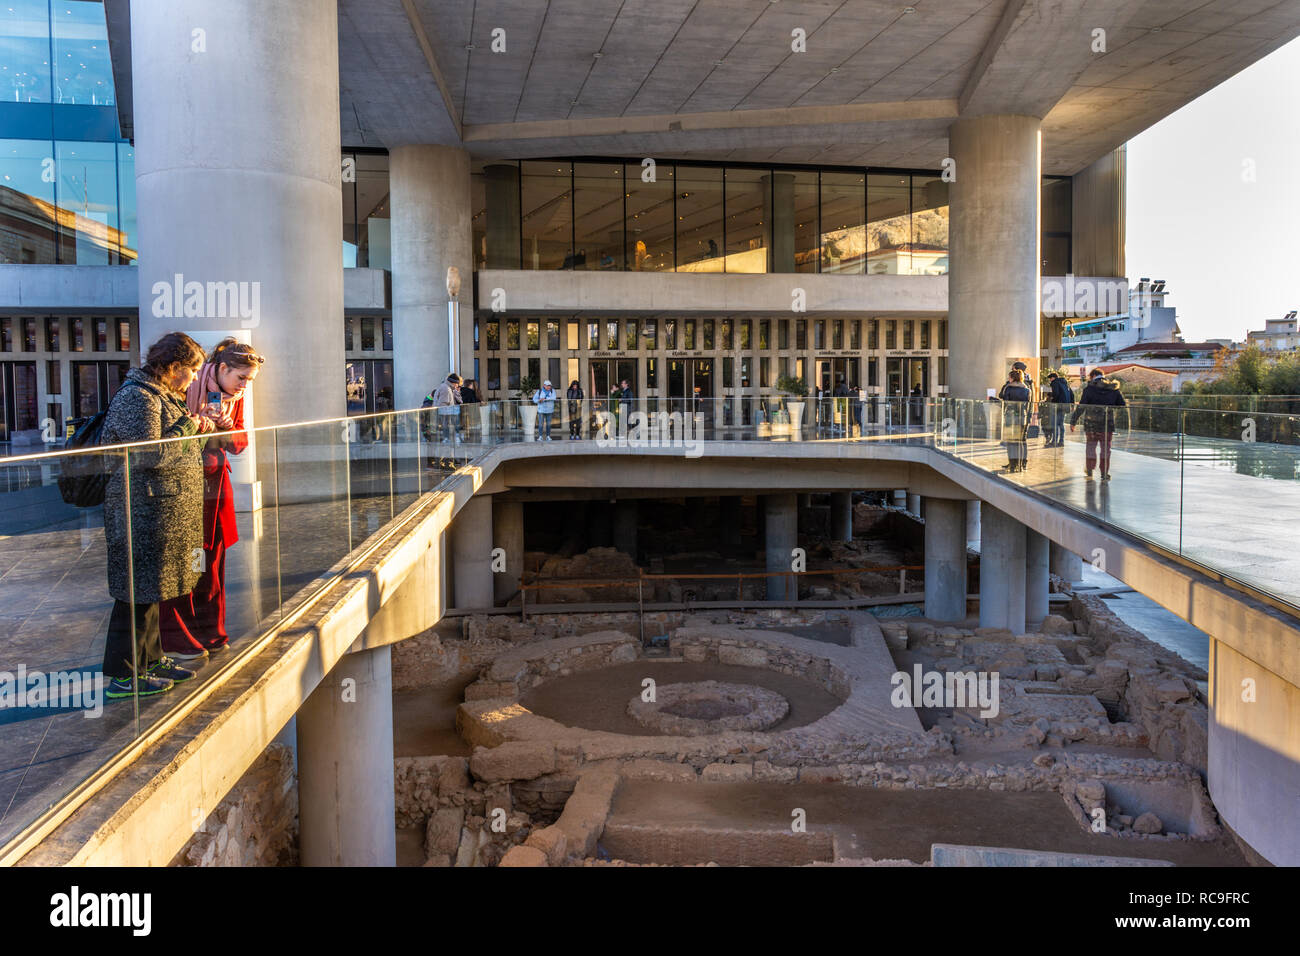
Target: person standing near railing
[
  {"x": 445, "y": 400},
  {"x": 1015, "y": 397},
  {"x": 574, "y": 396},
  {"x": 1097, "y": 406},
  {"x": 468, "y": 396},
  {"x": 621, "y": 398},
  {"x": 194, "y": 625},
  {"x": 163, "y": 532},
  {"x": 544, "y": 399},
  {"x": 1062, "y": 398}
]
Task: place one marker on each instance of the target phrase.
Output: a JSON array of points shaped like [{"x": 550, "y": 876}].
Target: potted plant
[
  {"x": 796, "y": 388},
  {"x": 527, "y": 410}
]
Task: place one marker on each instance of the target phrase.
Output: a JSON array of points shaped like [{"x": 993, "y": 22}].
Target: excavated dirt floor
[
  {"x": 597, "y": 700},
  {"x": 868, "y": 822}
]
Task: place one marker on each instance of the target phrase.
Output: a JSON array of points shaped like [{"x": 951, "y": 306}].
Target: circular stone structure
[{"x": 708, "y": 707}]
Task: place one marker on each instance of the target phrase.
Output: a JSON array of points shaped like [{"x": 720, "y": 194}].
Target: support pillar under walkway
[
  {"x": 1037, "y": 581},
  {"x": 781, "y": 520},
  {"x": 842, "y": 516},
  {"x": 1002, "y": 570},
  {"x": 346, "y": 797},
  {"x": 1066, "y": 565},
  {"x": 508, "y": 534},
  {"x": 471, "y": 550},
  {"x": 624, "y": 526},
  {"x": 945, "y": 559}
]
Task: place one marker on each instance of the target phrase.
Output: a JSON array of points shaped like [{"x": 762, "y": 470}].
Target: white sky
[{"x": 1228, "y": 248}]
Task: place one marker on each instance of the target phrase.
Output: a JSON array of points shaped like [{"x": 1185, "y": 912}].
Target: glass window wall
[
  {"x": 889, "y": 229},
  {"x": 843, "y": 222},
  {"x": 598, "y": 216},
  {"x": 547, "y": 214},
  {"x": 748, "y": 200},
  {"x": 699, "y": 219}
]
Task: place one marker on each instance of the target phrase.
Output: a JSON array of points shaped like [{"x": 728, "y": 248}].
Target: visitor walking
[
  {"x": 163, "y": 531},
  {"x": 544, "y": 399},
  {"x": 1062, "y": 397},
  {"x": 194, "y": 625},
  {"x": 1097, "y": 407},
  {"x": 574, "y": 396},
  {"x": 1015, "y": 419}
]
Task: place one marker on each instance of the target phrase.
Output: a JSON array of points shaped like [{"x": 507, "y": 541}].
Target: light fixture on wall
[{"x": 453, "y": 318}]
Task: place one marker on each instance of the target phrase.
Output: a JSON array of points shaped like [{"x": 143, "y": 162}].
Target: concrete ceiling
[{"x": 718, "y": 79}]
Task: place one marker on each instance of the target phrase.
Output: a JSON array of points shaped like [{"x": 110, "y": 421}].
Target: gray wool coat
[{"x": 166, "y": 492}]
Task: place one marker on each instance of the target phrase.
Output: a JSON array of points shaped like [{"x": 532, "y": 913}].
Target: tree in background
[{"x": 1252, "y": 372}]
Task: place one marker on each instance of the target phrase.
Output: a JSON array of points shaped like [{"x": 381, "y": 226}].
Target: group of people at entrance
[
  {"x": 1020, "y": 421},
  {"x": 169, "y": 515},
  {"x": 450, "y": 394}
]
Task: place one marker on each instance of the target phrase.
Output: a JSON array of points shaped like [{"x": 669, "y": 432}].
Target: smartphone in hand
[{"x": 214, "y": 405}]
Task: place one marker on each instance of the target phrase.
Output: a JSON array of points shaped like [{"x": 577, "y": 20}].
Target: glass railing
[
  {"x": 75, "y": 579},
  {"x": 1221, "y": 488}
]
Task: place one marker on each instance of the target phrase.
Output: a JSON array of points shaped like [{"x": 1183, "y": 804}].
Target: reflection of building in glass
[{"x": 30, "y": 229}]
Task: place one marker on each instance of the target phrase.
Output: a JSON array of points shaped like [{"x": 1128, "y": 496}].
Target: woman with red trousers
[{"x": 194, "y": 625}]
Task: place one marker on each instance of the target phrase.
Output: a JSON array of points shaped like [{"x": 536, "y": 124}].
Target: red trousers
[
  {"x": 1097, "y": 446},
  {"x": 197, "y": 621}
]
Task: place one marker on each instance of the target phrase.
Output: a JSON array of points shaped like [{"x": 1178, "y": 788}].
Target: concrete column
[
  {"x": 508, "y": 533},
  {"x": 780, "y": 517},
  {"x": 842, "y": 515},
  {"x": 1002, "y": 571},
  {"x": 945, "y": 559},
  {"x": 914, "y": 504},
  {"x": 1065, "y": 564},
  {"x": 900, "y": 498},
  {"x": 431, "y": 230},
  {"x": 729, "y": 521},
  {"x": 1037, "y": 582},
  {"x": 993, "y": 285},
  {"x": 346, "y": 798},
  {"x": 625, "y": 515},
  {"x": 973, "y": 524},
  {"x": 471, "y": 553},
  {"x": 240, "y": 228},
  {"x": 600, "y": 525},
  {"x": 501, "y": 181}
]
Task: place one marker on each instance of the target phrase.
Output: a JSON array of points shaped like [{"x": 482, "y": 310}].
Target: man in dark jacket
[
  {"x": 1015, "y": 419},
  {"x": 1097, "y": 407},
  {"x": 1062, "y": 398}
]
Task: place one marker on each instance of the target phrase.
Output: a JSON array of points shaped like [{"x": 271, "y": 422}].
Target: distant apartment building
[
  {"x": 1279, "y": 335},
  {"x": 1092, "y": 341}
]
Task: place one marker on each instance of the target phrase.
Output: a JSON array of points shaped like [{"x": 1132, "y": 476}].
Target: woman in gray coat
[{"x": 166, "y": 513}]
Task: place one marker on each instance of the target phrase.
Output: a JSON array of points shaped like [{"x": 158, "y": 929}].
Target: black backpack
[{"x": 83, "y": 478}]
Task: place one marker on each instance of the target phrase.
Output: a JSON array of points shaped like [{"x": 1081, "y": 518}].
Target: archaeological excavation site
[{"x": 617, "y": 712}]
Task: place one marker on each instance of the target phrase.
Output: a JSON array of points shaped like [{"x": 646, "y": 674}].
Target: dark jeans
[
  {"x": 1058, "y": 427},
  {"x": 1097, "y": 450},
  {"x": 118, "y": 646}
]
